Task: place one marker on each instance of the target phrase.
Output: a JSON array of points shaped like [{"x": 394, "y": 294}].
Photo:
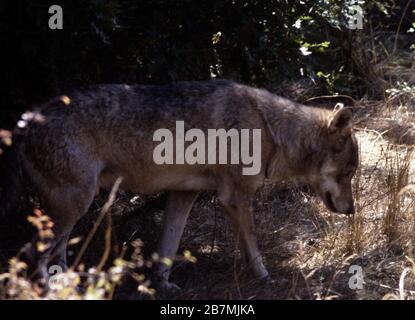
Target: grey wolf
[{"x": 84, "y": 141}]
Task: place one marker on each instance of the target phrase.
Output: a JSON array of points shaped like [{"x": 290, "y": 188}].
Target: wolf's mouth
[{"x": 329, "y": 202}]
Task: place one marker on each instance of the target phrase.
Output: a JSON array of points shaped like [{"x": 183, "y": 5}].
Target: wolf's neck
[{"x": 297, "y": 132}]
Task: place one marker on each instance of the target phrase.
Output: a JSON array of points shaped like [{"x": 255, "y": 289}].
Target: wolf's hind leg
[
  {"x": 54, "y": 255},
  {"x": 179, "y": 205},
  {"x": 58, "y": 254},
  {"x": 65, "y": 206}
]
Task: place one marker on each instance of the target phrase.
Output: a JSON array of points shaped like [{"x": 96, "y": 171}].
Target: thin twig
[
  {"x": 104, "y": 211},
  {"x": 107, "y": 249},
  {"x": 395, "y": 45},
  {"x": 331, "y": 97}
]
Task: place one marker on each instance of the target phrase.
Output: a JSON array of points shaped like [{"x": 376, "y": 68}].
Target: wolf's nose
[{"x": 351, "y": 210}]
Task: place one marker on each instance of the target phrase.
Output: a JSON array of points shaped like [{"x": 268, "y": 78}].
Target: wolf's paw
[
  {"x": 167, "y": 290},
  {"x": 267, "y": 280},
  {"x": 270, "y": 283}
]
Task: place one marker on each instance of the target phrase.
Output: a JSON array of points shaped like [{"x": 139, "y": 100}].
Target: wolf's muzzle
[{"x": 351, "y": 210}]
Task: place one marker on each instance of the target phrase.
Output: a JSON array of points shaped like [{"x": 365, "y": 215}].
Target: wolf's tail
[{"x": 11, "y": 179}]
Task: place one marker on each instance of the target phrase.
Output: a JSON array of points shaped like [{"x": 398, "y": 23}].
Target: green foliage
[{"x": 256, "y": 42}]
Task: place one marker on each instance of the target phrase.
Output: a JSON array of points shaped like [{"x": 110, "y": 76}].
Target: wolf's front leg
[
  {"x": 239, "y": 209},
  {"x": 178, "y": 207}
]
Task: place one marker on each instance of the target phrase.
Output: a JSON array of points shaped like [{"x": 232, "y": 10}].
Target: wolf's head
[
  {"x": 315, "y": 145},
  {"x": 339, "y": 158}
]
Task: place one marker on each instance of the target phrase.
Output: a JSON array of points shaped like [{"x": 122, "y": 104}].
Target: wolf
[{"x": 84, "y": 141}]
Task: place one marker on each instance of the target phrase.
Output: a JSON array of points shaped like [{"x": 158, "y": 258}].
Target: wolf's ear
[{"x": 341, "y": 121}]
